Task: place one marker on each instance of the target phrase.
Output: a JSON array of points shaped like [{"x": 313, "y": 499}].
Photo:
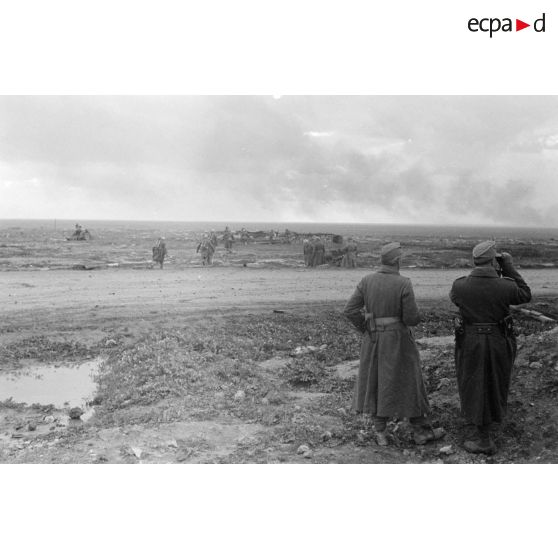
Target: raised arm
[{"x": 522, "y": 293}]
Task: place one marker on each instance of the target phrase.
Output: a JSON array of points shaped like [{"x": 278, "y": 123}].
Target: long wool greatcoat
[
  {"x": 484, "y": 361},
  {"x": 159, "y": 252},
  {"x": 350, "y": 257},
  {"x": 389, "y": 381},
  {"x": 308, "y": 251},
  {"x": 318, "y": 253}
]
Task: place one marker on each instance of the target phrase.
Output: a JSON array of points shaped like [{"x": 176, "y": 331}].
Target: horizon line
[{"x": 232, "y": 221}]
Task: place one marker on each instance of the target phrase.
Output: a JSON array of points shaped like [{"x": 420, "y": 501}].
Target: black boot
[{"x": 484, "y": 443}]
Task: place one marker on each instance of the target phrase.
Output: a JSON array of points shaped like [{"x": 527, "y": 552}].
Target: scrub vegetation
[{"x": 275, "y": 382}]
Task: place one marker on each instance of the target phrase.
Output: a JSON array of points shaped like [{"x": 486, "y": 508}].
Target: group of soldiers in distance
[
  {"x": 208, "y": 243},
  {"x": 313, "y": 248},
  {"x": 314, "y": 252},
  {"x": 206, "y": 247},
  {"x": 80, "y": 233}
]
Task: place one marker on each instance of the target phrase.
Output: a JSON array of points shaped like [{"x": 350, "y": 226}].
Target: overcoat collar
[
  {"x": 388, "y": 269},
  {"x": 484, "y": 272}
]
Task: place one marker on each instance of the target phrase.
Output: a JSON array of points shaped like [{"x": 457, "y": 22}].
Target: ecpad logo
[{"x": 492, "y": 25}]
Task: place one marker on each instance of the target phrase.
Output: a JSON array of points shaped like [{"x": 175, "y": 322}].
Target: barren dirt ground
[
  {"x": 65, "y": 299},
  {"x": 91, "y": 306}
]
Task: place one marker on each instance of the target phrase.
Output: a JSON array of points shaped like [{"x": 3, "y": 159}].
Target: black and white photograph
[{"x": 279, "y": 279}]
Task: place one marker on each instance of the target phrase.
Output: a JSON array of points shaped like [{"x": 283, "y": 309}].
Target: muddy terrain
[
  {"x": 129, "y": 246},
  {"x": 104, "y": 358},
  {"x": 236, "y": 364}
]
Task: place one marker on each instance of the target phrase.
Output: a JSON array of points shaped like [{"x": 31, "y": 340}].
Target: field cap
[
  {"x": 485, "y": 250},
  {"x": 390, "y": 252}
]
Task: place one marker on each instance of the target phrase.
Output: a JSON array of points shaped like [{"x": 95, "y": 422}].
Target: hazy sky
[{"x": 409, "y": 159}]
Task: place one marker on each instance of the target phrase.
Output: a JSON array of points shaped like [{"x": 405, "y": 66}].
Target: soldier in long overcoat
[
  {"x": 485, "y": 346},
  {"x": 350, "y": 256},
  {"x": 209, "y": 249},
  {"x": 318, "y": 254},
  {"x": 206, "y": 249},
  {"x": 307, "y": 250},
  {"x": 389, "y": 382},
  {"x": 228, "y": 239},
  {"x": 160, "y": 251}
]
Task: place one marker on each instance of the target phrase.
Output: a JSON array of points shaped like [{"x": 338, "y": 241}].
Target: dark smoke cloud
[{"x": 412, "y": 158}]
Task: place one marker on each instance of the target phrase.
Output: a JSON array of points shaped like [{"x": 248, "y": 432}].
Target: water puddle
[{"x": 51, "y": 384}]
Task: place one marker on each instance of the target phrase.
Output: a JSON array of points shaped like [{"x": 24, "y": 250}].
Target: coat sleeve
[
  {"x": 353, "y": 309},
  {"x": 453, "y": 295},
  {"x": 522, "y": 292},
  {"x": 410, "y": 312}
]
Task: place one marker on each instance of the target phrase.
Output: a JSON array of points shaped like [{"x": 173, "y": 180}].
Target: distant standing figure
[
  {"x": 350, "y": 257},
  {"x": 485, "y": 345},
  {"x": 389, "y": 382},
  {"x": 228, "y": 239},
  {"x": 318, "y": 256},
  {"x": 213, "y": 238},
  {"x": 209, "y": 249},
  {"x": 244, "y": 236},
  {"x": 160, "y": 251},
  {"x": 307, "y": 250},
  {"x": 206, "y": 250}
]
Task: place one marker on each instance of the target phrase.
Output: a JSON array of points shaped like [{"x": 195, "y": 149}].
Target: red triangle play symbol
[{"x": 519, "y": 25}]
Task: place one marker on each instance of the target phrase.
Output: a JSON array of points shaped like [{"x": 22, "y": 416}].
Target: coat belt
[
  {"x": 483, "y": 328},
  {"x": 383, "y": 321},
  {"x": 381, "y": 324}
]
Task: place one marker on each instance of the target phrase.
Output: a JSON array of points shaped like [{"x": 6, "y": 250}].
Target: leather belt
[
  {"x": 382, "y": 324},
  {"x": 483, "y": 328},
  {"x": 383, "y": 321}
]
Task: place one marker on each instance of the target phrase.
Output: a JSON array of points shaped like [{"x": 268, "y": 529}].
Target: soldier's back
[
  {"x": 483, "y": 299},
  {"x": 383, "y": 293}
]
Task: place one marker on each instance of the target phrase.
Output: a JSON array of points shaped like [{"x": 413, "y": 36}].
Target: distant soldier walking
[
  {"x": 228, "y": 239},
  {"x": 389, "y": 382},
  {"x": 206, "y": 249},
  {"x": 485, "y": 345},
  {"x": 160, "y": 251}
]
